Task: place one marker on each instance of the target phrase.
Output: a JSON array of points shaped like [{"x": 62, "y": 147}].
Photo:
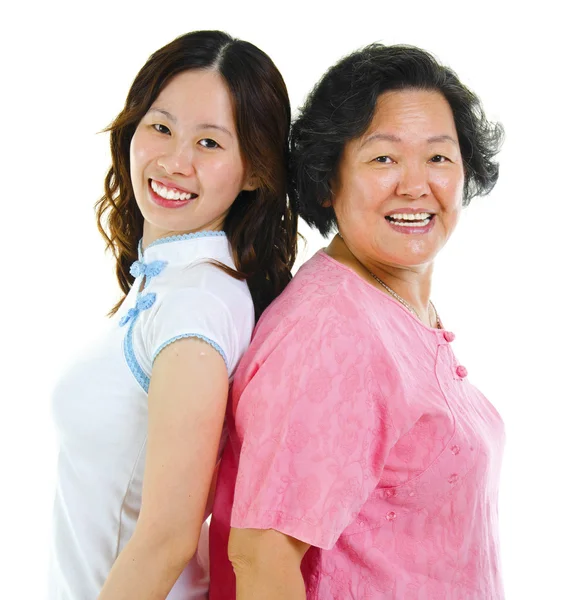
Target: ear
[
  {"x": 328, "y": 202},
  {"x": 251, "y": 183},
  {"x": 333, "y": 187}
]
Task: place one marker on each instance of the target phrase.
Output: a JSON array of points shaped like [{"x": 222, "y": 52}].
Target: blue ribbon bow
[
  {"x": 143, "y": 303},
  {"x": 150, "y": 270}
]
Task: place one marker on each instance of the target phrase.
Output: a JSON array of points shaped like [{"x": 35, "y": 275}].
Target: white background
[{"x": 509, "y": 283}]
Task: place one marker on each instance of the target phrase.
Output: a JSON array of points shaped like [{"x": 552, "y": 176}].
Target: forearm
[
  {"x": 267, "y": 564},
  {"x": 270, "y": 582},
  {"x": 145, "y": 569}
]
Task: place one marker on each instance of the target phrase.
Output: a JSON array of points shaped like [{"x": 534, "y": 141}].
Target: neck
[{"x": 413, "y": 284}]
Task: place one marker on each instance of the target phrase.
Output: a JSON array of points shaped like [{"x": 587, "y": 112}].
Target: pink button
[
  {"x": 449, "y": 336},
  {"x": 391, "y": 516},
  {"x": 461, "y": 371}
]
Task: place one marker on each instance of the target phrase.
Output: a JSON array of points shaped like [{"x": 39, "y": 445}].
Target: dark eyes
[
  {"x": 205, "y": 142},
  {"x": 161, "y": 128},
  {"x": 438, "y": 158},
  {"x": 208, "y": 143}
]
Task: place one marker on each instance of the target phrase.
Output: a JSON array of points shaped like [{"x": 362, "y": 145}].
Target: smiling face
[
  {"x": 398, "y": 193},
  {"x": 186, "y": 164}
]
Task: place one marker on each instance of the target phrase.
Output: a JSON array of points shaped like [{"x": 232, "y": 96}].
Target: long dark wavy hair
[{"x": 261, "y": 225}]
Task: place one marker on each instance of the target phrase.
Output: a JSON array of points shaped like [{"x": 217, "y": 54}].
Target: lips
[
  {"x": 171, "y": 192},
  {"x": 412, "y": 223},
  {"x": 168, "y": 197},
  {"x": 419, "y": 219}
]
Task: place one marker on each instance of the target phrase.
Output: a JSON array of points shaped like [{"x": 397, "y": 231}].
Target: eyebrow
[
  {"x": 394, "y": 138},
  {"x": 201, "y": 126},
  {"x": 442, "y": 138}
]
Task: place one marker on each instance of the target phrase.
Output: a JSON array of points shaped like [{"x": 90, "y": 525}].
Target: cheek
[
  {"x": 365, "y": 189},
  {"x": 141, "y": 153},
  {"x": 450, "y": 216},
  {"x": 384, "y": 183},
  {"x": 454, "y": 216},
  {"x": 224, "y": 172},
  {"x": 448, "y": 189}
]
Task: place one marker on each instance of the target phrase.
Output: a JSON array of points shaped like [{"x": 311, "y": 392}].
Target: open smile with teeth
[
  {"x": 410, "y": 219},
  {"x": 169, "y": 194}
]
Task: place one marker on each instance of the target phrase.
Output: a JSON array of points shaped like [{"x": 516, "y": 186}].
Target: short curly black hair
[{"x": 341, "y": 106}]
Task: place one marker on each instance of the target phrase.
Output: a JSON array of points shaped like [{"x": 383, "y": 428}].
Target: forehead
[
  {"x": 197, "y": 96},
  {"x": 410, "y": 113}
]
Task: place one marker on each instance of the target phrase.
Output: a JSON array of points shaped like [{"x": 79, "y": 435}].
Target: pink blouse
[{"x": 352, "y": 427}]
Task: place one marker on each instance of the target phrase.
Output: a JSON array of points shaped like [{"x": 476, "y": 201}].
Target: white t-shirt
[{"x": 100, "y": 407}]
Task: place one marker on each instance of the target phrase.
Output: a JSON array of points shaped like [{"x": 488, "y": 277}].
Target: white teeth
[
  {"x": 164, "y": 192},
  {"x": 414, "y": 223},
  {"x": 409, "y": 216}
]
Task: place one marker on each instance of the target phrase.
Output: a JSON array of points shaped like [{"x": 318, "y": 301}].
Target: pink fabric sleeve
[{"x": 316, "y": 424}]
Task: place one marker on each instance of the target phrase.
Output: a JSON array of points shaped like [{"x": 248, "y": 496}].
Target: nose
[
  {"x": 413, "y": 182},
  {"x": 178, "y": 159}
]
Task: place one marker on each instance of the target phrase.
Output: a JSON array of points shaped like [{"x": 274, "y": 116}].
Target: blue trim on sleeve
[{"x": 192, "y": 335}]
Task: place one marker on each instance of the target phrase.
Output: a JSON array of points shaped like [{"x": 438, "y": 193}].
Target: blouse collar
[{"x": 184, "y": 248}]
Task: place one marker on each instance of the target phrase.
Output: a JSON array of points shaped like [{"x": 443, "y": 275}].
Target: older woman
[{"x": 362, "y": 462}]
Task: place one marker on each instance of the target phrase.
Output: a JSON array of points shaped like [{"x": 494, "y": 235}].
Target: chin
[
  {"x": 161, "y": 218},
  {"x": 410, "y": 260}
]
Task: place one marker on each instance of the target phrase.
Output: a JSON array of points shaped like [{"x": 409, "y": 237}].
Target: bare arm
[
  {"x": 267, "y": 564},
  {"x": 187, "y": 401}
]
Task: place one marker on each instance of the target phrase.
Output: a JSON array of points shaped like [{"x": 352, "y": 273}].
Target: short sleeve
[
  {"x": 316, "y": 426},
  {"x": 193, "y": 312}
]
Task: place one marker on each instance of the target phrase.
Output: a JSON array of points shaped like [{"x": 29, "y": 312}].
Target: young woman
[{"x": 195, "y": 212}]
